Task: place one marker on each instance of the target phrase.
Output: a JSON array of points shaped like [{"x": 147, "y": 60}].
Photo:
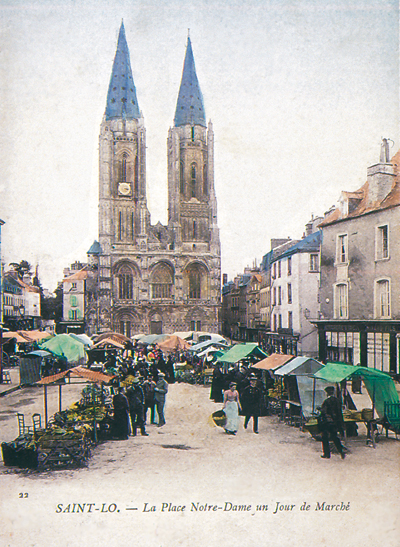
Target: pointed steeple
[
  {"x": 121, "y": 98},
  {"x": 190, "y": 106}
]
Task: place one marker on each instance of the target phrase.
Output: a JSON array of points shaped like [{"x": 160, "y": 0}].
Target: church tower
[
  {"x": 123, "y": 213},
  {"x": 155, "y": 279},
  {"x": 192, "y": 206}
]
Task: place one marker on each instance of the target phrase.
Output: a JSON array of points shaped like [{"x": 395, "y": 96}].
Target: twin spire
[{"x": 122, "y": 101}]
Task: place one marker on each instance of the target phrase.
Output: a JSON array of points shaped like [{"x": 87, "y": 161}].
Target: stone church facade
[{"x": 155, "y": 278}]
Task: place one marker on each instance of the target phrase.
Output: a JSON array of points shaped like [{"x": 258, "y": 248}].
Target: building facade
[
  {"x": 360, "y": 261},
  {"x": 21, "y": 302},
  {"x": 294, "y": 297},
  {"x": 155, "y": 278}
]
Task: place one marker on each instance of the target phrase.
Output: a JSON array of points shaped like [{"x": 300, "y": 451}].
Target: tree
[{"x": 22, "y": 268}]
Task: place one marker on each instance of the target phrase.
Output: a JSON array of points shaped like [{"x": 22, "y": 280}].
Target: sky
[{"x": 300, "y": 93}]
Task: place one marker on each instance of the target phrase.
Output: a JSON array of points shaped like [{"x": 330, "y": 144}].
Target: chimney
[
  {"x": 380, "y": 177},
  {"x": 224, "y": 279}
]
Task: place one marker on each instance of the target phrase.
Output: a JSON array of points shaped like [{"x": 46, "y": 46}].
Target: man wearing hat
[
  {"x": 160, "y": 392},
  {"x": 135, "y": 397},
  {"x": 330, "y": 422},
  {"x": 251, "y": 401}
]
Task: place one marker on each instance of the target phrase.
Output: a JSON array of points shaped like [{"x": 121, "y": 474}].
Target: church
[{"x": 154, "y": 278}]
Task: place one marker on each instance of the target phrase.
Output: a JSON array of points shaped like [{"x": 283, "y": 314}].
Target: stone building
[
  {"x": 360, "y": 283},
  {"x": 294, "y": 297},
  {"x": 155, "y": 278}
]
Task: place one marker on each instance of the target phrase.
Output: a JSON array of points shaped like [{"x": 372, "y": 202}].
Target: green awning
[
  {"x": 66, "y": 347},
  {"x": 242, "y": 351},
  {"x": 380, "y": 386}
]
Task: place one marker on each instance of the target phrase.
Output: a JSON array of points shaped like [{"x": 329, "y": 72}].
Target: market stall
[
  {"x": 65, "y": 439},
  {"x": 304, "y": 391},
  {"x": 380, "y": 387},
  {"x": 248, "y": 352}
]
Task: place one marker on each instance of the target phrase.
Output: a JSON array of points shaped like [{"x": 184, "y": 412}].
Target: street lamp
[{"x": 21, "y": 310}]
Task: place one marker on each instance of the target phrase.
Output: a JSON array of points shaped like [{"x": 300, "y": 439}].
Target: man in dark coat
[
  {"x": 121, "y": 415},
  {"x": 217, "y": 385},
  {"x": 330, "y": 422},
  {"x": 135, "y": 397},
  {"x": 251, "y": 402}
]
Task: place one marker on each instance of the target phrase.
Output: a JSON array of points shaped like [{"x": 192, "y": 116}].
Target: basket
[{"x": 219, "y": 418}]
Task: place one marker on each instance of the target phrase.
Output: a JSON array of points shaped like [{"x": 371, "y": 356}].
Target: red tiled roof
[
  {"x": 391, "y": 200},
  {"x": 81, "y": 274}
]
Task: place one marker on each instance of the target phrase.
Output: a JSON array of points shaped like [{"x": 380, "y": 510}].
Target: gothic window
[
  {"x": 194, "y": 284},
  {"x": 205, "y": 180},
  {"x": 120, "y": 226},
  {"x": 196, "y": 281},
  {"x": 123, "y": 168},
  {"x": 193, "y": 180},
  {"x": 161, "y": 282},
  {"x": 125, "y": 282},
  {"x": 132, "y": 226},
  {"x": 136, "y": 176},
  {"x": 194, "y": 230},
  {"x": 192, "y": 133},
  {"x": 182, "y": 178}
]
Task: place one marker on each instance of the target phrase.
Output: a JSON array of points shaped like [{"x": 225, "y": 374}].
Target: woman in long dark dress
[
  {"x": 217, "y": 385},
  {"x": 121, "y": 415}
]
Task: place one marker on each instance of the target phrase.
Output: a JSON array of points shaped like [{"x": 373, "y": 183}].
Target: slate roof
[
  {"x": 190, "y": 106},
  {"x": 95, "y": 248},
  {"x": 121, "y": 98},
  {"x": 309, "y": 244}
]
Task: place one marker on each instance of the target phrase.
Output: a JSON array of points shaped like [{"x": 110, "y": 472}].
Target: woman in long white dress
[{"x": 231, "y": 408}]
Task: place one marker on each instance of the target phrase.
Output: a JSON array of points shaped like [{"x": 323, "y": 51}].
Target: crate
[
  {"x": 54, "y": 453},
  {"x": 26, "y": 458}
]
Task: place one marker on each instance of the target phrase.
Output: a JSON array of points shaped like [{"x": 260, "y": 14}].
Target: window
[
  {"x": 73, "y": 315},
  {"x": 274, "y": 323},
  {"x": 195, "y": 325},
  {"x": 274, "y": 296},
  {"x": 341, "y": 306},
  {"x": 73, "y": 300},
  {"x": 194, "y": 284},
  {"x": 382, "y": 242},
  {"x": 279, "y": 321},
  {"x": 279, "y": 296},
  {"x": 279, "y": 269},
  {"x": 382, "y": 298},
  {"x": 193, "y": 133},
  {"x": 182, "y": 178},
  {"x": 205, "y": 180},
  {"x": 73, "y": 286},
  {"x": 274, "y": 271},
  {"x": 290, "y": 320},
  {"x": 193, "y": 180},
  {"x": 289, "y": 265},
  {"x": 125, "y": 282},
  {"x": 342, "y": 249},
  {"x": 120, "y": 226},
  {"x": 161, "y": 282},
  {"x": 313, "y": 263},
  {"x": 289, "y": 293},
  {"x": 136, "y": 175},
  {"x": 122, "y": 176}
]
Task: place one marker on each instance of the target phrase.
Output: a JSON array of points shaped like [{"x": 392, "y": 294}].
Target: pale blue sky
[{"x": 299, "y": 92}]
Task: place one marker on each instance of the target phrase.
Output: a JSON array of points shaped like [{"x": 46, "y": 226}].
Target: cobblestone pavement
[{"x": 188, "y": 483}]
